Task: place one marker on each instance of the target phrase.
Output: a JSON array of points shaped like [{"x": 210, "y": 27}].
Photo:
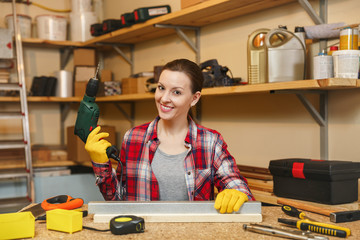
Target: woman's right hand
[{"x": 96, "y": 145}]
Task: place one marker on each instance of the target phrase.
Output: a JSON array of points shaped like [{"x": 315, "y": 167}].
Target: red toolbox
[{"x": 328, "y": 182}]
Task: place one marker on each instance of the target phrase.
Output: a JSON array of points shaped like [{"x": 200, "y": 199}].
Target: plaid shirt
[{"x": 207, "y": 164}]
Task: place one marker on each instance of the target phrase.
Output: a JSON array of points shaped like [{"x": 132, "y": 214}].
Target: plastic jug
[
  {"x": 257, "y": 57},
  {"x": 286, "y": 55}
]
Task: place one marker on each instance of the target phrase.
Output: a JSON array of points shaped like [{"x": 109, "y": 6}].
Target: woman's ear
[{"x": 196, "y": 98}]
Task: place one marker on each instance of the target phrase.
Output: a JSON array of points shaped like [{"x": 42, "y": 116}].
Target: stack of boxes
[{"x": 84, "y": 69}]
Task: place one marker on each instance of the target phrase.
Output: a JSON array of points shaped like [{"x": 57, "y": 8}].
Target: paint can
[
  {"x": 349, "y": 38},
  {"x": 24, "y": 23},
  {"x": 323, "y": 66},
  {"x": 346, "y": 63},
  {"x": 51, "y": 27}
]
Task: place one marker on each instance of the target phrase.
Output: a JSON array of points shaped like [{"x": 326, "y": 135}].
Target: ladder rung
[
  {"x": 12, "y": 144},
  {"x": 10, "y": 86},
  {"x": 14, "y": 173},
  {"x": 11, "y": 115}
]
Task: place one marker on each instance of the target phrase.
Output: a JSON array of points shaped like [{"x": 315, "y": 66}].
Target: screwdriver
[
  {"x": 323, "y": 228},
  {"x": 294, "y": 212}
]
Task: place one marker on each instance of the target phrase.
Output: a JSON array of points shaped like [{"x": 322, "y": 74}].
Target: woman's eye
[
  {"x": 177, "y": 92},
  {"x": 160, "y": 87}
]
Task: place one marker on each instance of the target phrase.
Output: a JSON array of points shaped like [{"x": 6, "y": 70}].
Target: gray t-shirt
[{"x": 170, "y": 174}]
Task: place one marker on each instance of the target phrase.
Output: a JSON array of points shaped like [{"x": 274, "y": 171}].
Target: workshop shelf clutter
[{"x": 131, "y": 89}]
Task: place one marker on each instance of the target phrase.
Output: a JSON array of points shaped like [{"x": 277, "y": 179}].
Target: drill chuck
[{"x": 92, "y": 87}]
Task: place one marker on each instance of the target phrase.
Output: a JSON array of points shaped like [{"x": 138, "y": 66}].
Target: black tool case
[
  {"x": 327, "y": 182},
  {"x": 146, "y": 13}
]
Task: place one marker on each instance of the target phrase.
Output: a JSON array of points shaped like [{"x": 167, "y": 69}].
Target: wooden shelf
[
  {"x": 322, "y": 84},
  {"x": 199, "y": 15},
  {"x": 35, "y": 42},
  {"x": 18, "y": 165},
  {"x": 42, "y": 99}
]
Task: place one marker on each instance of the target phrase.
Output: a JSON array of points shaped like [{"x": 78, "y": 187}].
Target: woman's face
[{"x": 173, "y": 96}]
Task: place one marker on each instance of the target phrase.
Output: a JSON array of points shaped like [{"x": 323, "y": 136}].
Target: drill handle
[{"x": 113, "y": 152}]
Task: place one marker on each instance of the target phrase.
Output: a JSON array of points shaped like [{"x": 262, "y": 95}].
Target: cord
[
  {"x": 27, "y": 2},
  {"x": 95, "y": 229},
  {"x": 113, "y": 152},
  {"x": 51, "y": 9}
]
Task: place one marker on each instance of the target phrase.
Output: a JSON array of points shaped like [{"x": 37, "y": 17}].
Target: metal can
[
  {"x": 323, "y": 66},
  {"x": 349, "y": 39}
]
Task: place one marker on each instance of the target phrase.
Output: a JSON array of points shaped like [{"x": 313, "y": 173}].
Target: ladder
[{"x": 14, "y": 174}]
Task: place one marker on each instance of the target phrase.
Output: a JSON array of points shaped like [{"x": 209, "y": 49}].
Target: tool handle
[
  {"x": 323, "y": 228},
  {"x": 304, "y": 206},
  {"x": 292, "y": 211},
  {"x": 62, "y": 202}
]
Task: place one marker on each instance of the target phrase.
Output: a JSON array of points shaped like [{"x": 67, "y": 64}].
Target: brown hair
[{"x": 191, "y": 69}]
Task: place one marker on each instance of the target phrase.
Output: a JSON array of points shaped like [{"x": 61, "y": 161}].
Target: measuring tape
[{"x": 125, "y": 224}]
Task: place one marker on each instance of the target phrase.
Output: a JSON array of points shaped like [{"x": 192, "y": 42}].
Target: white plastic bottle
[{"x": 286, "y": 55}]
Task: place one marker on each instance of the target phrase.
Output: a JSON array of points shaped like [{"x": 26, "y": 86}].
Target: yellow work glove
[
  {"x": 96, "y": 146},
  {"x": 230, "y": 200}
]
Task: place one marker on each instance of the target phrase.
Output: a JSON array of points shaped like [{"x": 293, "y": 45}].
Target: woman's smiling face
[{"x": 173, "y": 95}]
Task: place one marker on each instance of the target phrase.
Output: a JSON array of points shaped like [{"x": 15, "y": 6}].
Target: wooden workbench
[{"x": 188, "y": 230}]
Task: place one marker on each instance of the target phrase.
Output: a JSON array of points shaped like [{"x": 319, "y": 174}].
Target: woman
[{"x": 171, "y": 158}]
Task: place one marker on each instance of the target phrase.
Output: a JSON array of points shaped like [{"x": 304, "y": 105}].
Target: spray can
[
  {"x": 349, "y": 38},
  {"x": 323, "y": 66}
]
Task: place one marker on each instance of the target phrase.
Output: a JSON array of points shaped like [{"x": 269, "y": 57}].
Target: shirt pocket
[{"x": 203, "y": 184}]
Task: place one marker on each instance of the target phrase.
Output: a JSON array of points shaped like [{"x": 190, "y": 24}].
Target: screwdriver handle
[
  {"x": 323, "y": 228},
  {"x": 292, "y": 211}
]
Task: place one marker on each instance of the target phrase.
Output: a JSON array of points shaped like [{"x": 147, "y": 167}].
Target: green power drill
[{"x": 88, "y": 116}]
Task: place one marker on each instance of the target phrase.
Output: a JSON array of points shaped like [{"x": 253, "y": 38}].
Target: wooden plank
[
  {"x": 265, "y": 177},
  {"x": 254, "y": 169},
  {"x": 181, "y": 218},
  {"x": 266, "y": 186}
]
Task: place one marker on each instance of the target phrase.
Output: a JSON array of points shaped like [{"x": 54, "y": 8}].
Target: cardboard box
[
  {"x": 112, "y": 88},
  {"x": 76, "y": 147},
  {"x": 188, "y": 3},
  {"x": 84, "y": 73},
  {"x": 133, "y": 85},
  {"x": 80, "y": 89},
  {"x": 326, "y": 182},
  {"x": 84, "y": 57},
  {"x": 106, "y": 75}
]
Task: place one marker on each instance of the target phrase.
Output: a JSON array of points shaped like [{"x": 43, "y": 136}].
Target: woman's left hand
[{"x": 230, "y": 200}]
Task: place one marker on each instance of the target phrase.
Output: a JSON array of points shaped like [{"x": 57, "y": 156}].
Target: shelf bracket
[
  {"x": 64, "y": 112},
  {"x": 131, "y": 117},
  {"x": 179, "y": 30},
  {"x": 116, "y": 47},
  {"x": 310, "y": 10},
  {"x": 65, "y": 54},
  {"x": 321, "y": 116},
  {"x": 320, "y": 18}
]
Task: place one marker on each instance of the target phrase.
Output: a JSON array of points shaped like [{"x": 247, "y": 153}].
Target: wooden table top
[{"x": 190, "y": 230}]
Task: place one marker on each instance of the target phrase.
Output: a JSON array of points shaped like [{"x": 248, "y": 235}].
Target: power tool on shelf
[{"x": 88, "y": 117}]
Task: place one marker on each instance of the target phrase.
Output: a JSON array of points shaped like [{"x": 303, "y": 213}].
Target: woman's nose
[{"x": 166, "y": 96}]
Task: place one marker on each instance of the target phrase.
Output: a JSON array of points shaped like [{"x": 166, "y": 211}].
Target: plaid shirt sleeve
[
  {"x": 107, "y": 181},
  {"x": 227, "y": 174}
]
